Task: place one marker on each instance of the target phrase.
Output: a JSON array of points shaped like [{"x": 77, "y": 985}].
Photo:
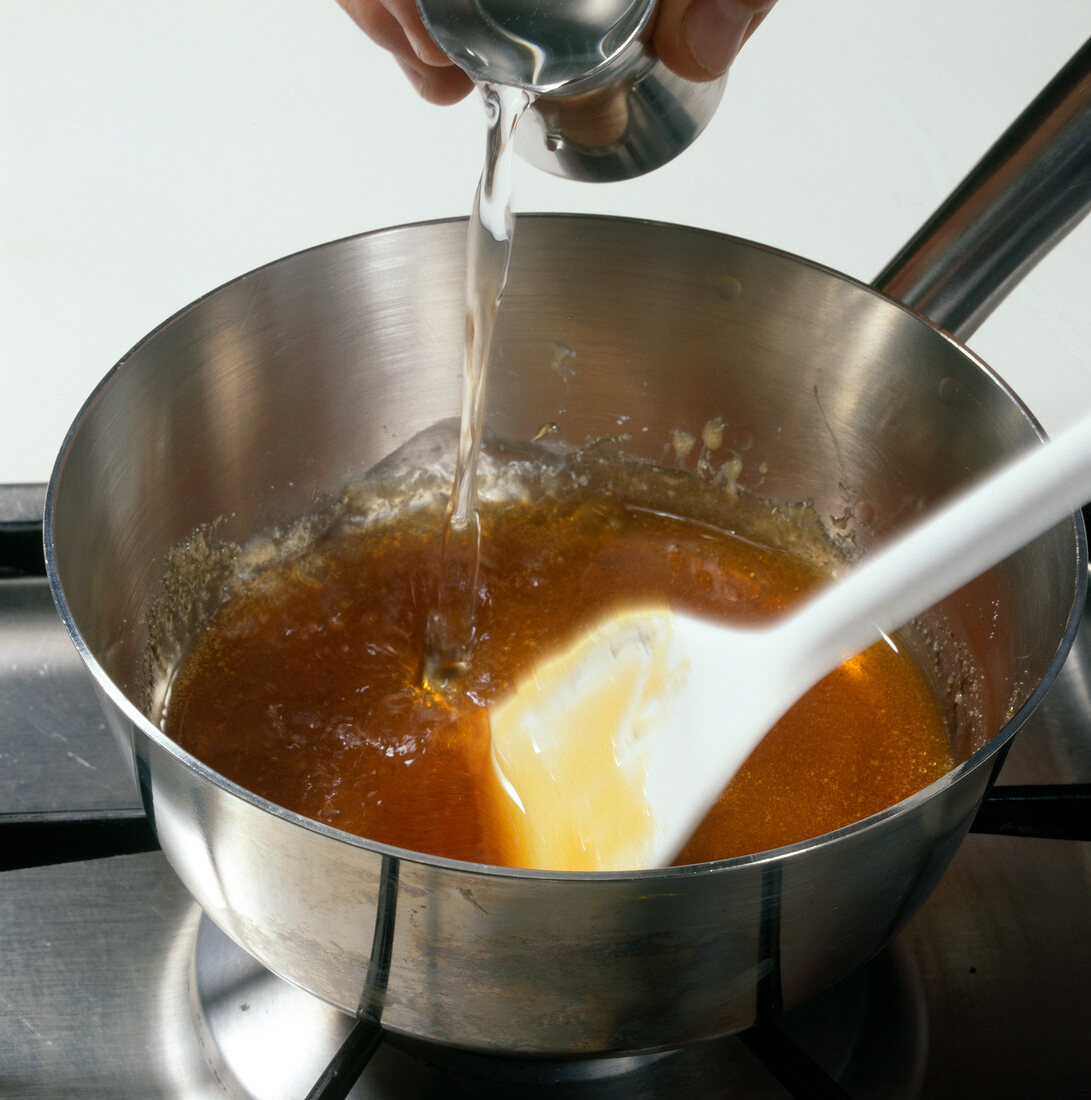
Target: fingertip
[
  {"x": 700, "y": 39},
  {"x": 442, "y": 86},
  {"x": 426, "y": 48},
  {"x": 670, "y": 44}
]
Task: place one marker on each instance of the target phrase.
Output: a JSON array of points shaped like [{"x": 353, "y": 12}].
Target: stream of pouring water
[{"x": 451, "y": 625}]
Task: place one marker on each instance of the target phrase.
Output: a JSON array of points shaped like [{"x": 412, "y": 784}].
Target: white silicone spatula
[{"x": 614, "y": 749}]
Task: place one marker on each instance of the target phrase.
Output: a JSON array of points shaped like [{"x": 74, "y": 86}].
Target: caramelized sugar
[{"x": 305, "y": 688}]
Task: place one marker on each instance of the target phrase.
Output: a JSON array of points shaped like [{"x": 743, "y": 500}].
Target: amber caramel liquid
[{"x": 306, "y": 687}]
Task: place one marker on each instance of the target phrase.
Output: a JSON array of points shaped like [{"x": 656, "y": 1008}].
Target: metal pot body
[{"x": 273, "y": 391}]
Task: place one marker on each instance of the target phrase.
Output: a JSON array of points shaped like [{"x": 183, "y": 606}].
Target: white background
[{"x": 153, "y": 149}]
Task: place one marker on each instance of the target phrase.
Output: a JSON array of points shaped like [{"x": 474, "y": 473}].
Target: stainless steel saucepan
[{"x": 274, "y": 390}]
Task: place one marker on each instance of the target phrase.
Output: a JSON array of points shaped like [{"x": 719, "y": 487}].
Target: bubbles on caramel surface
[{"x": 306, "y": 685}]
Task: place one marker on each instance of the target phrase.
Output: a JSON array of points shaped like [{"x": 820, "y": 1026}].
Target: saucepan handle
[{"x": 1024, "y": 195}]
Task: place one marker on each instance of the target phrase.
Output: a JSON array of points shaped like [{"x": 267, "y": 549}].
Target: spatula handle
[{"x": 967, "y": 536}]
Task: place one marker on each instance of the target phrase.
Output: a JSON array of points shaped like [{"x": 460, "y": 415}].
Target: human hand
[
  {"x": 698, "y": 39},
  {"x": 396, "y": 26}
]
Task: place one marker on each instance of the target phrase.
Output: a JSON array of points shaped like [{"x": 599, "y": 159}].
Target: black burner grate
[
  {"x": 45, "y": 839},
  {"x": 348, "y": 1064},
  {"x": 21, "y": 552},
  {"x": 1054, "y": 811}
]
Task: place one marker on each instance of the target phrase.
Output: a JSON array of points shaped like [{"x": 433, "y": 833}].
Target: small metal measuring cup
[{"x": 605, "y": 107}]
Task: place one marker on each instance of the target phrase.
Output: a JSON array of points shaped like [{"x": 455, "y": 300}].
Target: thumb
[{"x": 698, "y": 39}]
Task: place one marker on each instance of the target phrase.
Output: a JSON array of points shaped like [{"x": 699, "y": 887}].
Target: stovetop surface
[{"x": 112, "y": 984}]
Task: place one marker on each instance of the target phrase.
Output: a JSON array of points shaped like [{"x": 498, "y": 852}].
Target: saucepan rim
[{"x": 150, "y": 730}]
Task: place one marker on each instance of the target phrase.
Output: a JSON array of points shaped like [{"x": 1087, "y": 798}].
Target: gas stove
[{"x": 115, "y": 984}]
